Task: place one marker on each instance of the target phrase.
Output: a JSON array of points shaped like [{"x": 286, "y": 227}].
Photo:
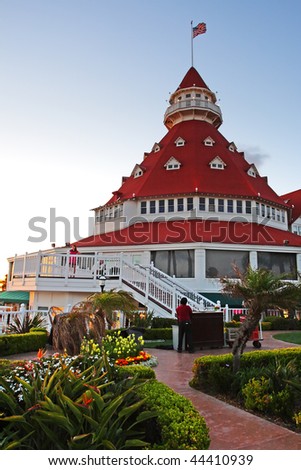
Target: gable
[
  {"x": 252, "y": 171},
  {"x": 217, "y": 164},
  {"x": 172, "y": 164},
  {"x": 137, "y": 171},
  {"x": 209, "y": 142}
]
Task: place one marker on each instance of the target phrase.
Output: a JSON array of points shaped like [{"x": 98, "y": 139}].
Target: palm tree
[
  {"x": 88, "y": 319},
  {"x": 109, "y": 301},
  {"x": 260, "y": 289}
]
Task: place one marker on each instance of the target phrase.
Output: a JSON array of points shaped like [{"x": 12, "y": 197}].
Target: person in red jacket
[
  {"x": 72, "y": 259},
  {"x": 184, "y": 316}
]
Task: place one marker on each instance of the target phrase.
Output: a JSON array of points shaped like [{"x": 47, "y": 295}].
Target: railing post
[
  {"x": 38, "y": 266},
  {"x": 174, "y": 300},
  {"x": 96, "y": 266},
  {"x": 24, "y": 268},
  {"x": 120, "y": 268},
  {"x": 227, "y": 313},
  {"x": 147, "y": 279}
]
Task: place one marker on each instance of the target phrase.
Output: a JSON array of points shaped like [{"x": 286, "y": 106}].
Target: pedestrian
[
  {"x": 184, "y": 316},
  {"x": 73, "y": 252}
]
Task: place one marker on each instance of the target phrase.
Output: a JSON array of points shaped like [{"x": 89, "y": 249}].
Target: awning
[
  {"x": 224, "y": 299},
  {"x": 14, "y": 297}
]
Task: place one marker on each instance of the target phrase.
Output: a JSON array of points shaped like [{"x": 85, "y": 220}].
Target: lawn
[{"x": 289, "y": 337}]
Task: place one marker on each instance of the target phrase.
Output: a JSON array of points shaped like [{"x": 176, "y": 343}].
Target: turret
[{"x": 193, "y": 100}]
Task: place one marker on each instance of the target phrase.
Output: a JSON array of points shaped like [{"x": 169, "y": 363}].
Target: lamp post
[{"x": 102, "y": 281}]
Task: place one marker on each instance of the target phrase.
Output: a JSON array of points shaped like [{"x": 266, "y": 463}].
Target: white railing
[
  {"x": 197, "y": 300},
  {"x": 162, "y": 289},
  {"x": 8, "y": 317},
  {"x": 193, "y": 103},
  {"x": 26, "y": 265}
]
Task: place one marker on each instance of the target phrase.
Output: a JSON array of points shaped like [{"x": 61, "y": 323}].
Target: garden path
[{"x": 230, "y": 427}]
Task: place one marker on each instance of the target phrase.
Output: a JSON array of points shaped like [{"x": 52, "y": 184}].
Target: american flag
[{"x": 199, "y": 29}]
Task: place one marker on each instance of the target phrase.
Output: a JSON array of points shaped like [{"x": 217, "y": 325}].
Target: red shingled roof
[
  {"x": 195, "y": 171},
  {"x": 192, "y": 78},
  {"x": 196, "y": 231},
  {"x": 294, "y": 200}
]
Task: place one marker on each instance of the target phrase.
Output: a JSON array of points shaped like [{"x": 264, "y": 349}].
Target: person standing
[
  {"x": 184, "y": 316},
  {"x": 72, "y": 258}
]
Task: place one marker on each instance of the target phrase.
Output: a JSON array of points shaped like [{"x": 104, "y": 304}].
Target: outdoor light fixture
[{"x": 102, "y": 281}]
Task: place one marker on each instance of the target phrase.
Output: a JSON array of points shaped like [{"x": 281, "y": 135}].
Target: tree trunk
[{"x": 243, "y": 334}]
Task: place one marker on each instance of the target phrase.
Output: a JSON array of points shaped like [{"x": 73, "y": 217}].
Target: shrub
[
  {"x": 267, "y": 381},
  {"x": 259, "y": 395},
  {"x": 280, "y": 323},
  {"x": 256, "y": 394},
  {"x": 164, "y": 322},
  {"x": 19, "y": 343},
  {"x": 56, "y": 403},
  {"x": 266, "y": 326},
  {"x": 158, "y": 333},
  {"x": 25, "y": 323},
  {"x": 70, "y": 409},
  {"x": 140, "y": 371},
  {"x": 118, "y": 347},
  {"x": 180, "y": 427}
]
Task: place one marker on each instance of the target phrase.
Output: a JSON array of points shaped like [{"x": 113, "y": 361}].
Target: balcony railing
[{"x": 193, "y": 103}]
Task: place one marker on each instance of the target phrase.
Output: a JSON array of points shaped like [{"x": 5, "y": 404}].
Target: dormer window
[
  {"x": 252, "y": 171},
  {"x": 179, "y": 142},
  {"x": 232, "y": 147},
  {"x": 209, "y": 142},
  {"x": 137, "y": 171},
  {"x": 156, "y": 147},
  {"x": 217, "y": 164},
  {"x": 172, "y": 164}
]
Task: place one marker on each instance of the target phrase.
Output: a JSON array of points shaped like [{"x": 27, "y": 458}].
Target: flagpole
[{"x": 191, "y": 33}]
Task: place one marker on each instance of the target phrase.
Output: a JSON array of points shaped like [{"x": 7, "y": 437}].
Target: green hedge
[
  {"x": 20, "y": 343},
  {"x": 279, "y": 323},
  {"x": 143, "y": 372},
  {"x": 157, "y": 333},
  {"x": 214, "y": 373},
  {"x": 158, "y": 322},
  {"x": 180, "y": 426}
]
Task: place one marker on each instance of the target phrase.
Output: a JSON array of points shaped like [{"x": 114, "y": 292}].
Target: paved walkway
[{"x": 230, "y": 427}]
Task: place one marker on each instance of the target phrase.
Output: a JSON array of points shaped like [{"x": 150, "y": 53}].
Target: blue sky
[{"x": 85, "y": 84}]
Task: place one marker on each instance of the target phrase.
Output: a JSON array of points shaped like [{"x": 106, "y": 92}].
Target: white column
[{"x": 253, "y": 260}]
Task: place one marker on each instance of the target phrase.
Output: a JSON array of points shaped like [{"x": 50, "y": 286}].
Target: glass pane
[
  {"x": 279, "y": 263},
  {"x": 220, "y": 263},
  {"x": 179, "y": 263}
]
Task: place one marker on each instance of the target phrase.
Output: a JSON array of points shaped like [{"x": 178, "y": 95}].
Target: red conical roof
[
  {"x": 192, "y": 78},
  {"x": 195, "y": 174}
]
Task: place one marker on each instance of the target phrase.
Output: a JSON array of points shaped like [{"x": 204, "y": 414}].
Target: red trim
[{"x": 193, "y": 231}]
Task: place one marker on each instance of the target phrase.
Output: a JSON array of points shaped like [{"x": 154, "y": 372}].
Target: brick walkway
[{"x": 230, "y": 427}]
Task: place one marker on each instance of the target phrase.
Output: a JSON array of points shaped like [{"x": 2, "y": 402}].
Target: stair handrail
[
  {"x": 197, "y": 301},
  {"x": 195, "y": 297}
]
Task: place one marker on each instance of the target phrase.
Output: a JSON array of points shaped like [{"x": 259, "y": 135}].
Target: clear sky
[{"x": 84, "y": 85}]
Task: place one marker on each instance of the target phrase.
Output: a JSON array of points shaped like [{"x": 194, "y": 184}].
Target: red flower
[
  {"x": 41, "y": 353},
  {"x": 86, "y": 400}
]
